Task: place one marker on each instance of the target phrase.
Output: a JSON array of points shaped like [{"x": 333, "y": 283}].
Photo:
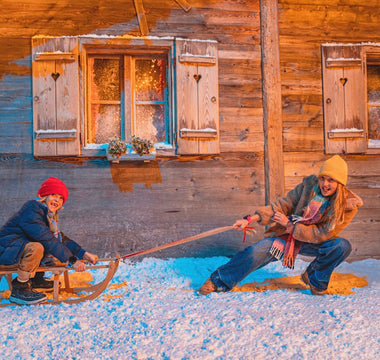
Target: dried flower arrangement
[
  {"x": 117, "y": 147},
  {"x": 141, "y": 146}
]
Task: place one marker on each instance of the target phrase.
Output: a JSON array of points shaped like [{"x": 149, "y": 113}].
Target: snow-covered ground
[{"x": 151, "y": 311}]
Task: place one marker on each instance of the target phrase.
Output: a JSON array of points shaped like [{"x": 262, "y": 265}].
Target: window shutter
[
  {"x": 344, "y": 99},
  {"x": 197, "y": 97},
  {"x": 55, "y": 71}
]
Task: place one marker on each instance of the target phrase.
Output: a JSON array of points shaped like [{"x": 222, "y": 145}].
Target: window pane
[
  {"x": 373, "y": 83},
  {"x": 150, "y": 79},
  {"x": 105, "y": 79},
  {"x": 105, "y": 123},
  {"x": 374, "y": 124},
  {"x": 150, "y": 122}
]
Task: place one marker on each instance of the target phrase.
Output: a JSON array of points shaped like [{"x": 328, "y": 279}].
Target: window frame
[
  {"x": 370, "y": 51},
  {"x": 119, "y": 47},
  {"x": 192, "y": 83}
]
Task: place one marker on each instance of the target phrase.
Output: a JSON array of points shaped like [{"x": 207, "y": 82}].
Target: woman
[
  {"x": 32, "y": 236},
  {"x": 306, "y": 221}
]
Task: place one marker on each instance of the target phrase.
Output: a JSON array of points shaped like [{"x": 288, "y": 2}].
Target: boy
[{"x": 31, "y": 236}]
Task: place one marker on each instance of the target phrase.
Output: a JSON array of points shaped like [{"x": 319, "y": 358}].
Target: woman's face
[
  {"x": 54, "y": 202},
  {"x": 327, "y": 185}
]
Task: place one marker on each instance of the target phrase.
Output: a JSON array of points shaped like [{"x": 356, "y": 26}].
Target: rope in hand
[
  {"x": 188, "y": 239},
  {"x": 178, "y": 242}
]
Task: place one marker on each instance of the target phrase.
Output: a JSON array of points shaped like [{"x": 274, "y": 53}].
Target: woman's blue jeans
[{"x": 328, "y": 255}]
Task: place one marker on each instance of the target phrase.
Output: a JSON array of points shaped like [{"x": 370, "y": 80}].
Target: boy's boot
[
  {"x": 23, "y": 293},
  {"x": 39, "y": 282}
]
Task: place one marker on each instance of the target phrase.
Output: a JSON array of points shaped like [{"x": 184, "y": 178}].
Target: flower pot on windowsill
[{"x": 131, "y": 155}]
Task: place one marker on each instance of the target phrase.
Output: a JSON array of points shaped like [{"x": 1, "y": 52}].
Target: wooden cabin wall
[
  {"x": 121, "y": 208},
  {"x": 303, "y": 27},
  {"x": 134, "y": 206}
]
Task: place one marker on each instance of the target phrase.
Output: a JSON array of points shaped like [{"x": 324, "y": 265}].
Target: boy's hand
[
  {"x": 91, "y": 258},
  {"x": 79, "y": 266}
]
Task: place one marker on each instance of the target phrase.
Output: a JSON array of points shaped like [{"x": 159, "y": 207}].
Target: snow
[
  {"x": 374, "y": 143},
  {"x": 347, "y": 130},
  {"x": 343, "y": 59},
  {"x": 206, "y": 56},
  {"x": 54, "y": 131},
  {"x": 152, "y": 311},
  {"x": 199, "y": 130},
  {"x": 127, "y": 36},
  {"x": 159, "y": 145},
  {"x": 353, "y": 44},
  {"x": 162, "y": 145}
]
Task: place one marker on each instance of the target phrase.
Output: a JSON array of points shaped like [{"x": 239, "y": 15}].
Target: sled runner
[
  {"x": 77, "y": 294},
  {"x": 95, "y": 290}
]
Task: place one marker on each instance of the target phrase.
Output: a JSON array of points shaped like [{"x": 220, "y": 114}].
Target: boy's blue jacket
[{"x": 31, "y": 224}]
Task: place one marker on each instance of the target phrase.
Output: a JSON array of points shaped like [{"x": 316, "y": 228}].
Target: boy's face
[{"x": 54, "y": 202}]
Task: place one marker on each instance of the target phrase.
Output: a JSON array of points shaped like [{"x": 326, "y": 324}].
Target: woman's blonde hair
[
  {"x": 338, "y": 203},
  {"x": 338, "y": 206}
]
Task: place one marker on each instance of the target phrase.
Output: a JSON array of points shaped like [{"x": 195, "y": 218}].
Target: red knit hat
[{"x": 54, "y": 186}]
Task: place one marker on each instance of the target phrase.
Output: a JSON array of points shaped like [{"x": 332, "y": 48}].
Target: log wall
[
  {"x": 303, "y": 27},
  {"x": 128, "y": 207},
  {"x": 234, "y": 24},
  {"x": 133, "y": 206}
]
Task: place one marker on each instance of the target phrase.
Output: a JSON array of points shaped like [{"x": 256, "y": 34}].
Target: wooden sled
[{"x": 93, "y": 291}]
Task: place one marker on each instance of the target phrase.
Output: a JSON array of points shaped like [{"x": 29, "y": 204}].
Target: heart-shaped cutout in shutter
[
  {"x": 55, "y": 76},
  {"x": 343, "y": 81},
  {"x": 197, "y": 77}
]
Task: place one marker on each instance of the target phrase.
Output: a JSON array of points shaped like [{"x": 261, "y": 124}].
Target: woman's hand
[
  {"x": 91, "y": 258},
  {"x": 241, "y": 224},
  {"x": 283, "y": 220},
  {"x": 280, "y": 218},
  {"x": 79, "y": 266}
]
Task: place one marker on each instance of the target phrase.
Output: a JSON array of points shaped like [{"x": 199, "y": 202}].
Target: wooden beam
[
  {"x": 197, "y": 59},
  {"x": 55, "y": 134},
  {"x": 184, "y": 5},
  {"x": 272, "y": 107},
  {"x": 141, "y": 17},
  {"x": 198, "y": 133},
  {"x": 55, "y": 56},
  {"x": 345, "y": 133},
  {"x": 343, "y": 62}
]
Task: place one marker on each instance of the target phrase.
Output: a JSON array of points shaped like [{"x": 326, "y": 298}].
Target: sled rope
[{"x": 185, "y": 240}]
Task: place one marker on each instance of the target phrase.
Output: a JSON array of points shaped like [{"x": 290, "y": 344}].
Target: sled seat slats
[{"x": 8, "y": 271}]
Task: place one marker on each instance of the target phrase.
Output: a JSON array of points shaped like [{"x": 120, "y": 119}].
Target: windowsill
[
  {"x": 167, "y": 151},
  {"x": 373, "y": 147},
  {"x": 132, "y": 157}
]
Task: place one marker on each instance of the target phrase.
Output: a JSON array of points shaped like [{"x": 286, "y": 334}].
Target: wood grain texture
[
  {"x": 126, "y": 207},
  {"x": 197, "y": 90},
  {"x": 56, "y": 95},
  {"x": 114, "y": 219},
  {"x": 272, "y": 108}
]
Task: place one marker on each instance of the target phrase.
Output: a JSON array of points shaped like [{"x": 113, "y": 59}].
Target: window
[
  {"x": 351, "y": 98},
  {"x": 128, "y": 95},
  {"x": 87, "y": 90},
  {"x": 373, "y": 99}
]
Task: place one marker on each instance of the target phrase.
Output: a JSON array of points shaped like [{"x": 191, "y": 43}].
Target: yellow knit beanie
[{"x": 336, "y": 168}]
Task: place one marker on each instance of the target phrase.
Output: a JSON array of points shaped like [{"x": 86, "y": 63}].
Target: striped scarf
[
  {"x": 52, "y": 219},
  {"x": 313, "y": 213},
  {"x": 49, "y": 260}
]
